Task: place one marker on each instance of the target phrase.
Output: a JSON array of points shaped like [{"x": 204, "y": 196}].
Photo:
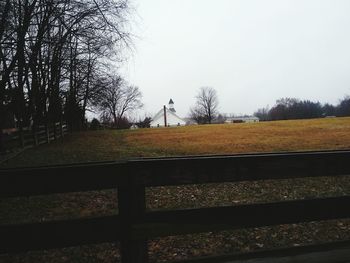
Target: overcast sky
[{"x": 251, "y": 51}]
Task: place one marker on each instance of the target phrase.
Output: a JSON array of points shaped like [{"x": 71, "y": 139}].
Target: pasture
[
  {"x": 302, "y": 135},
  {"x": 278, "y": 136}
]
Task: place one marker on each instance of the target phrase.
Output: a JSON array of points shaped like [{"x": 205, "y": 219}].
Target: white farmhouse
[{"x": 167, "y": 117}]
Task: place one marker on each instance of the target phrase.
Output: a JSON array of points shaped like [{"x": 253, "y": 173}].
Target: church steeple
[{"x": 171, "y": 106}]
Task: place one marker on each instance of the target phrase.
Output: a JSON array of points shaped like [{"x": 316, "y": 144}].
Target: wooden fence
[
  {"x": 29, "y": 137},
  {"x": 134, "y": 224}
]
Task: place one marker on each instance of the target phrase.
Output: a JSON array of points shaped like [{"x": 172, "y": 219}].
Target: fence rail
[
  {"x": 29, "y": 137},
  {"x": 134, "y": 225}
]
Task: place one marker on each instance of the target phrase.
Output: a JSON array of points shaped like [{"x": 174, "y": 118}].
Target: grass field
[
  {"x": 318, "y": 134},
  {"x": 294, "y": 135}
]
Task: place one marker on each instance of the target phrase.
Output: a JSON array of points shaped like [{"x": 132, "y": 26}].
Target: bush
[
  {"x": 95, "y": 124},
  {"x": 123, "y": 123},
  {"x": 145, "y": 123}
]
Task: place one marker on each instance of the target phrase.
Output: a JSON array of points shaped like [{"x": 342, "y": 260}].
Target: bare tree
[
  {"x": 51, "y": 52},
  {"x": 117, "y": 98},
  {"x": 206, "y": 107},
  {"x": 197, "y": 115},
  {"x": 262, "y": 114}
]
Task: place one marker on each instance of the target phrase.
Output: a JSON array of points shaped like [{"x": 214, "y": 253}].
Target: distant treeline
[{"x": 292, "y": 108}]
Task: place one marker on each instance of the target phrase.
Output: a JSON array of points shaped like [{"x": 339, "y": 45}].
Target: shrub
[{"x": 95, "y": 124}]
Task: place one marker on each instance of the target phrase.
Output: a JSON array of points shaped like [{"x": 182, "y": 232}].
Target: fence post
[
  {"x": 61, "y": 128},
  {"x": 132, "y": 207},
  {"x": 21, "y": 136},
  {"x": 47, "y": 133},
  {"x": 35, "y": 135},
  {"x": 54, "y": 131}
]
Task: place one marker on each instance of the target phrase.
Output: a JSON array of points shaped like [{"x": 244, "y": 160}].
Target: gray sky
[{"x": 251, "y": 51}]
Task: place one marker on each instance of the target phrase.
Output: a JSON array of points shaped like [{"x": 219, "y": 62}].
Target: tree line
[
  {"x": 292, "y": 108},
  {"x": 55, "y": 61},
  {"x": 205, "y": 110}
]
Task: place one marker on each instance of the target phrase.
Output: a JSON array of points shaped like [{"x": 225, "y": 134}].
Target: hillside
[{"x": 293, "y": 135}]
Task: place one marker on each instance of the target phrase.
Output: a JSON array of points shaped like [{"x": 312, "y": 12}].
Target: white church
[{"x": 167, "y": 117}]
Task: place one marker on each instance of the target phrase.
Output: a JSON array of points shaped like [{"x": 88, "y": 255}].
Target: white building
[
  {"x": 167, "y": 117},
  {"x": 246, "y": 119}
]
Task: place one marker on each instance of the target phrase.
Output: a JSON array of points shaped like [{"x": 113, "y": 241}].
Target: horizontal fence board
[
  {"x": 175, "y": 222},
  {"x": 338, "y": 251},
  {"x": 60, "y": 179},
  {"x": 41, "y": 132},
  {"x": 241, "y": 167},
  {"x": 86, "y": 231},
  {"x": 42, "y": 137},
  {"x": 58, "y": 234},
  {"x": 175, "y": 171}
]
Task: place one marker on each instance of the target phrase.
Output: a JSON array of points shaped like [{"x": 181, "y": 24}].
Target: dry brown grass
[{"x": 293, "y": 135}]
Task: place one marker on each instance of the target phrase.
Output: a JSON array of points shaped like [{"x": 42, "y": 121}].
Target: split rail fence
[
  {"x": 28, "y": 137},
  {"x": 134, "y": 225}
]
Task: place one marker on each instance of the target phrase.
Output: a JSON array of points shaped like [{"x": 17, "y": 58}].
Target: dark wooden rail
[
  {"x": 133, "y": 225},
  {"x": 28, "y": 137}
]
